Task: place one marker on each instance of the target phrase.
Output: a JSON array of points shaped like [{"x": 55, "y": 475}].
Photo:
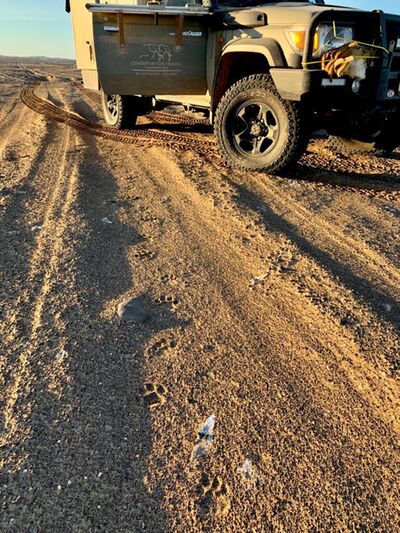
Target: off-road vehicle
[{"x": 269, "y": 73}]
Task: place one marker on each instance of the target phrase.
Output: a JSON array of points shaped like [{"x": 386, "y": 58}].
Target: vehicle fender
[{"x": 265, "y": 46}]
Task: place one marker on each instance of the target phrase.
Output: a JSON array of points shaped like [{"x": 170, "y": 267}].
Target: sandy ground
[{"x": 273, "y": 304}]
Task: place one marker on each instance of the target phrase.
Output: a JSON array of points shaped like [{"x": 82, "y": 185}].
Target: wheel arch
[{"x": 243, "y": 58}]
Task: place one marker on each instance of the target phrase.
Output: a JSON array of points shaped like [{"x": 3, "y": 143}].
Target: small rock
[
  {"x": 204, "y": 439},
  {"x": 62, "y": 354},
  {"x": 207, "y": 430},
  {"x": 247, "y": 469},
  {"x": 132, "y": 312}
]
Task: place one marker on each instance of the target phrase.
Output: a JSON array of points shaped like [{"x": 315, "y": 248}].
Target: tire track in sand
[
  {"x": 285, "y": 258},
  {"x": 11, "y": 125},
  {"x": 280, "y": 363},
  {"x": 44, "y": 267},
  {"x": 321, "y": 239},
  {"x": 317, "y": 276},
  {"x": 25, "y": 144},
  {"x": 347, "y": 257},
  {"x": 138, "y": 136},
  {"x": 12, "y": 116},
  {"x": 354, "y": 368}
]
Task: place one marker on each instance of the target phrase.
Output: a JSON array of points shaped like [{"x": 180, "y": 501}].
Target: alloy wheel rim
[
  {"x": 112, "y": 106},
  {"x": 255, "y": 129}
]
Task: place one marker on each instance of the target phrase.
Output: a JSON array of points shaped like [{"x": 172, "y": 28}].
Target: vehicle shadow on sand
[
  {"x": 384, "y": 181},
  {"x": 365, "y": 290},
  {"x": 86, "y": 456}
]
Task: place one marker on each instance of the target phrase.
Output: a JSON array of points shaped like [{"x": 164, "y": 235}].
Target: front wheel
[
  {"x": 256, "y": 129},
  {"x": 120, "y": 112}
]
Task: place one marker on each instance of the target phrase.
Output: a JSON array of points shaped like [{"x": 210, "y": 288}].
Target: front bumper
[
  {"x": 291, "y": 83},
  {"x": 382, "y": 84}
]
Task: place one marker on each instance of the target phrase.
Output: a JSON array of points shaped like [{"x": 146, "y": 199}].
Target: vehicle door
[{"x": 151, "y": 49}]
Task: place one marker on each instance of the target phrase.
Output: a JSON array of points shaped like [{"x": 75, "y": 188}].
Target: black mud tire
[
  {"x": 292, "y": 137},
  {"x": 120, "y": 112},
  {"x": 379, "y": 148}
]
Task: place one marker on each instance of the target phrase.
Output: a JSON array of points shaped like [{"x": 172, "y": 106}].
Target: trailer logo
[
  {"x": 160, "y": 53},
  {"x": 158, "y": 59}
]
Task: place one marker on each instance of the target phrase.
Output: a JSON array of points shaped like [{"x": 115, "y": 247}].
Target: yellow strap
[
  {"x": 354, "y": 57},
  {"x": 358, "y": 42}
]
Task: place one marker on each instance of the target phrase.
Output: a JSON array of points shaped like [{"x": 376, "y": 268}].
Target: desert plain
[{"x": 255, "y": 385}]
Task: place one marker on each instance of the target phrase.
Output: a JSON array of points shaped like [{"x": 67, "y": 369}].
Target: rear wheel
[
  {"x": 120, "y": 112},
  {"x": 256, "y": 129}
]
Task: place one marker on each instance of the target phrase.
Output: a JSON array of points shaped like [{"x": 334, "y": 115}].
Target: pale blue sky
[{"x": 41, "y": 27}]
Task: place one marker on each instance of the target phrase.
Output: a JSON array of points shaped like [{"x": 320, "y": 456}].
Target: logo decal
[{"x": 157, "y": 52}]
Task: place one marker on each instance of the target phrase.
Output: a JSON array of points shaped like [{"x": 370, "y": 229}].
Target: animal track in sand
[
  {"x": 154, "y": 395},
  {"x": 167, "y": 299},
  {"x": 174, "y": 281},
  {"x": 143, "y": 253},
  {"x": 170, "y": 279},
  {"x": 162, "y": 346},
  {"x": 215, "y": 496},
  {"x": 247, "y": 238},
  {"x": 282, "y": 262},
  {"x": 152, "y": 218}
]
